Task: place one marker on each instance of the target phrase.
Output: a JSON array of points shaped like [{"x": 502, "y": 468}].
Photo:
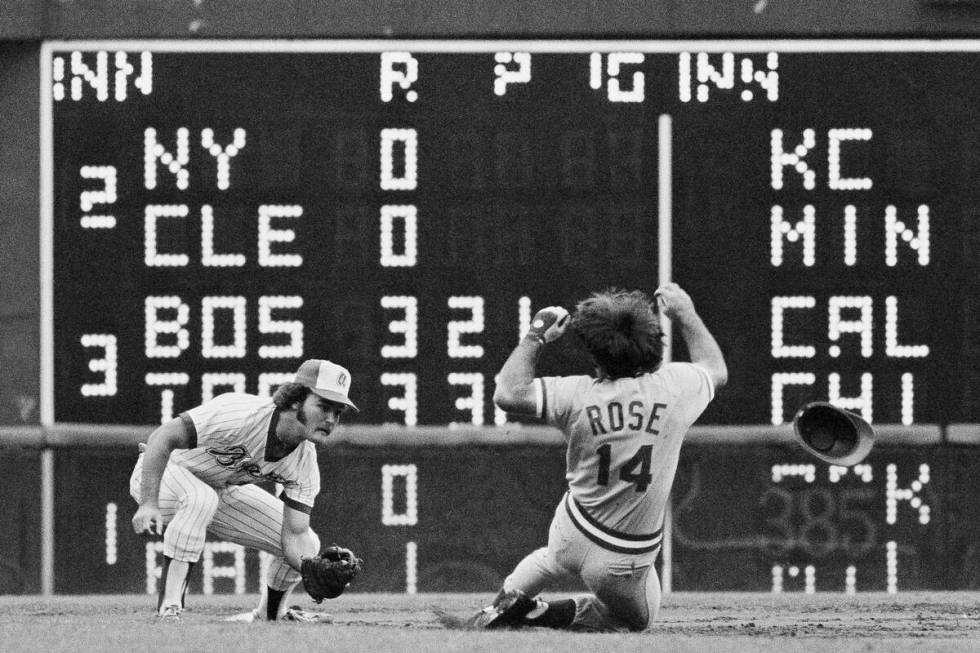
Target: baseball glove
[{"x": 328, "y": 574}]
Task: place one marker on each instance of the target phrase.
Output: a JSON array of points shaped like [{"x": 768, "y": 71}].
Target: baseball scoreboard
[
  {"x": 215, "y": 212},
  {"x": 763, "y": 518}
]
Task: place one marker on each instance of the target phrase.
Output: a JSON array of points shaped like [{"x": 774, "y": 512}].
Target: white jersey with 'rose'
[
  {"x": 232, "y": 432},
  {"x": 624, "y": 438}
]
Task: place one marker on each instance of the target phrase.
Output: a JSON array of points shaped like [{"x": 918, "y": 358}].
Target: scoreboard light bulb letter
[
  {"x": 235, "y": 571},
  {"x": 58, "y": 79},
  {"x": 892, "y": 348},
  {"x": 614, "y": 92},
  {"x": 408, "y": 326},
  {"x": 292, "y": 328},
  {"x": 124, "y": 69},
  {"x": 409, "y": 140},
  {"x": 780, "y": 159},
  {"x": 456, "y": 328},
  {"x": 223, "y": 155},
  {"x": 237, "y": 307},
  {"x": 406, "y": 75},
  {"x": 614, "y": 61},
  {"x": 908, "y": 399},
  {"x": 268, "y": 235},
  {"x": 891, "y": 567},
  {"x": 779, "y": 348},
  {"x": 155, "y": 326},
  {"x": 167, "y": 394},
  {"x": 233, "y": 381},
  {"x": 804, "y": 229},
  {"x": 408, "y": 402},
  {"x": 834, "y": 139},
  {"x": 98, "y": 79},
  {"x": 505, "y": 75},
  {"x": 89, "y": 198},
  {"x": 750, "y": 73},
  {"x": 894, "y": 494},
  {"x": 706, "y": 72},
  {"x": 151, "y": 257},
  {"x": 475, "y": 401},
  {"x": 153, "y": 151},
  {"x": 850, "y": 235},
  {"x": 411, "y": 567},
  {"x": 208, "y": 257},
  {"x": 862, "y": 326},
  {"x": 388, "y": 515},
  {"x": 409, "y": 254},
  {"x": 269, "y": 381},
  {"x": 864, "y": 402},
  {"x": 768, "y": 79},
  {"x": 111, "y": 534},
  {"x": 151, "y": 554},
  {"x": 895, "y": 229},
  {"x": 782, "y": 471},
  {"x": 107, "y": 365},
  {"x": 779, "y": 381},
  {"x": 523, "y": 317}
]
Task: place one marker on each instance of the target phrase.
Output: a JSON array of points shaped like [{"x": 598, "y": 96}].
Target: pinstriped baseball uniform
[
  {"x": 211, "y": 487},
  {"x": 624, "y": 438},
  {"x": 232, "y": 432}
]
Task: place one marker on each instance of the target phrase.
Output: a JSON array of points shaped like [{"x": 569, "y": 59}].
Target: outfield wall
[{"x": 442, "y": 510}]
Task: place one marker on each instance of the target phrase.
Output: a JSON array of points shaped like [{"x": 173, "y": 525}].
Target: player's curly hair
[
  {"x": 289, "y": 393},
  {"x": 621, "y": 331}
]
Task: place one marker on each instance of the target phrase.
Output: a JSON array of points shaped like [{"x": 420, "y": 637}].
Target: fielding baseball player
[
  {"x": 197, "y": 475},
  {"x": 624, "y": 429}
]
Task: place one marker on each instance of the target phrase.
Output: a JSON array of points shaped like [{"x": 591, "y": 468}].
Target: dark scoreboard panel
[
  {"x": 215, "y": 212},
  {"x": 744, "y": 518}
]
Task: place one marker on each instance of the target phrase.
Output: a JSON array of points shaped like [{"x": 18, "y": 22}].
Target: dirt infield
[{"x": 370, "y": 623}]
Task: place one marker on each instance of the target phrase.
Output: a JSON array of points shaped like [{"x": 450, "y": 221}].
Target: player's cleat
[
  {"x": 169, "y": 613},
  {"x": 293, "y": 613},
  {"x": 508, "y": 611}
]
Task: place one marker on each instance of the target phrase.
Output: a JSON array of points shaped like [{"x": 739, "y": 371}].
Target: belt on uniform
[{"x": 609, "y": 538}]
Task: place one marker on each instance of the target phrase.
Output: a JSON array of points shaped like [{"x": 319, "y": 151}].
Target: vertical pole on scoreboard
[
  {"x": 665, "y": 192},
  {"x": 46, "y": 326},
  {"x": 47, "y": 521}
]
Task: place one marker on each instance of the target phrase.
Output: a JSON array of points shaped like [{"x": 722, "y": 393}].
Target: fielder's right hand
[{"x": 148, "y": 519}]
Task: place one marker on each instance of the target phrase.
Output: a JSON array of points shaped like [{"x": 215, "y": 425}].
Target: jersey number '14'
[{"x": 636, "y": 470}]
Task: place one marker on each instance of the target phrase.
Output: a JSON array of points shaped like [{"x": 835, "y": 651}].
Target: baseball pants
[
  {"x": 625, "y": 587},
  {"x": 242, "y": 514}
]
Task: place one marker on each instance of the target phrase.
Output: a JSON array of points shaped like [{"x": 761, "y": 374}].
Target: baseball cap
[
  {"x": 832, "y": 434},
  {"x": 326, "y": 379}
]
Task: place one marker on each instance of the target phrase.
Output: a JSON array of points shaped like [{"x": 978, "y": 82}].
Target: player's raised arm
[
  {"x": 514, "y": 391},
  {"x": 677, "y": 305}
]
